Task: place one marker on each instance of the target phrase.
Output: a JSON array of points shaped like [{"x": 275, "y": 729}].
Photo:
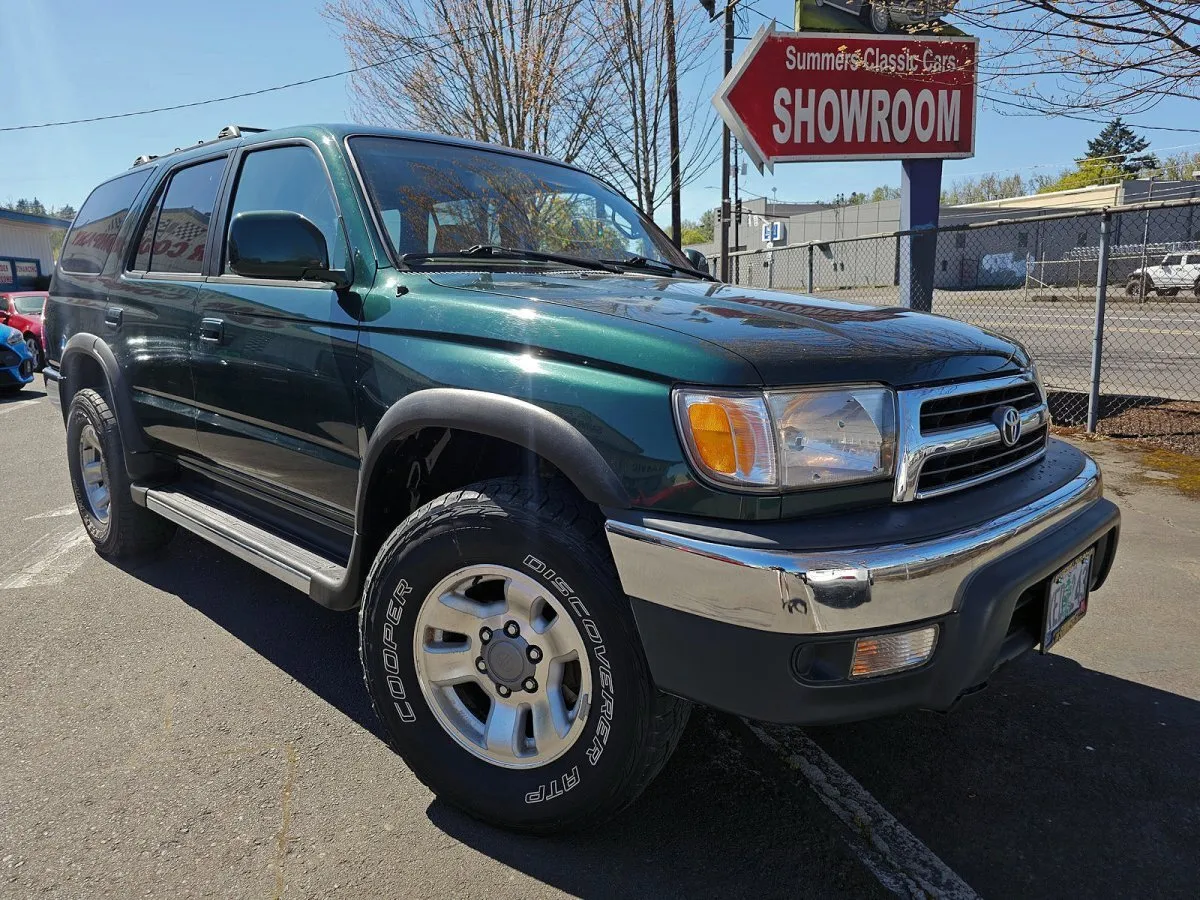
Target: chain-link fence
[{"x": 1113, "y": 292}]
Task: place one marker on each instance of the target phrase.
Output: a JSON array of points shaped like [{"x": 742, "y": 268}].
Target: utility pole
[
  {"x": 725, "y": 204},
  {"x": 737, "y": 200},
  {"x": 1145, "y": 243},
  {"x": 673, "y": 114}
]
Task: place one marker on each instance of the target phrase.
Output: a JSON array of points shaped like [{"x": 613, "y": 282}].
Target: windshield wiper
[
  {"x": 491, "y": 251},
  {"x": 657, "y": 265}
]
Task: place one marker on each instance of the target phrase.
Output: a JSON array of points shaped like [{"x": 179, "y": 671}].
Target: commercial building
[
  {"x": 991, "y": 257},
  {"x": 27, "y": 247}
]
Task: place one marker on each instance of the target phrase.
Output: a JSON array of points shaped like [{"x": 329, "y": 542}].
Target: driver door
[{"x": 274, "y": 361}]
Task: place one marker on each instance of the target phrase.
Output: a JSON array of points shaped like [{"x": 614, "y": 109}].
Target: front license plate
[{"x": 1067, "y": 602}]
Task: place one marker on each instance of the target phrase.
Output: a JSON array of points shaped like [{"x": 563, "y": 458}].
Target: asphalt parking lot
[{"x": 190, "y": 727}]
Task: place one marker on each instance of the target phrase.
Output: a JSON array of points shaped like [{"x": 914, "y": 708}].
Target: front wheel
[
  {"x": 502, "y": 657},
  {"x": 35, "y": 350}
]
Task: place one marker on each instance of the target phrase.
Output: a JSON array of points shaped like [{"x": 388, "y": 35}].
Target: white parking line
[
  {"x": 892, "y": 853},
  {"x": 55, "y": 557},
  {"x": 55, "y": 513}
]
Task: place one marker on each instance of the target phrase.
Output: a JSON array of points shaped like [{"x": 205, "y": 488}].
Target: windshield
[
  {"x": 29, "y": 306},
  {"x": 436, "y": 198}
]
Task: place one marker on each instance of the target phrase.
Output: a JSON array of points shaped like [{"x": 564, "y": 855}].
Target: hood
[{"x": 788, "y": 339}]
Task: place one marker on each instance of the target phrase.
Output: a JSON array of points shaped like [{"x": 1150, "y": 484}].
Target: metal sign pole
[{"x": 725, "y": 204}]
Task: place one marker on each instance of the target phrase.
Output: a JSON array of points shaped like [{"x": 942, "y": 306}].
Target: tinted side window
[
  {"x": 292, "y": 179},
  {"x": 94, "y": 234},
  {"x": 181, "y": 225},
  {"x": 145, "y": 240},
  {"x": 1173, "y": 260}
]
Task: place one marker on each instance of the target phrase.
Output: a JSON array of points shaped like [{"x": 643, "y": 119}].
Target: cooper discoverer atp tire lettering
[{"x": 503, "y": 660}]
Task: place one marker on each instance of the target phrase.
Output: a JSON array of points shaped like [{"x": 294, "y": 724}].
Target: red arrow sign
[{"x": 816, "y": 97}]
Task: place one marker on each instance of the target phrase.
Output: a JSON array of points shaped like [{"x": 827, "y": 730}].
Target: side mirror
[
  {"x": 696, "y": 259},
  {"x": 282, "y": 245}
]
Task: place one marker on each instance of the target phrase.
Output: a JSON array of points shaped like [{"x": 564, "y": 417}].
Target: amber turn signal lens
[
  {"x": 713, "y": 436},
  {"x": 728, "y": 436}
]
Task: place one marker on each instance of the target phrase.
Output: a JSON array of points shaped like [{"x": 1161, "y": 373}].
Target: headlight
[
  {"x": 789, "y": 439},
  {"x": 1037, "y": 379},
  {"x": 14, "y": 338}
]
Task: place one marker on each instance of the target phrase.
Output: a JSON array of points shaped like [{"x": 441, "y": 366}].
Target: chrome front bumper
[{"x": 797, "y": 592}]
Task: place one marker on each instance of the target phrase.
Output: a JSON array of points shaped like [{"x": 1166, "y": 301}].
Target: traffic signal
[{"x": 710, "y": 7}]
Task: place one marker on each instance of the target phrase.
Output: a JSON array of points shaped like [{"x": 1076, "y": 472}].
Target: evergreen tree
[{"x": 1119, "y": 146}]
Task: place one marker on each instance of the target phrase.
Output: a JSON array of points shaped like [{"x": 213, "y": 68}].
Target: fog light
[{"x": 892, "y": 652}]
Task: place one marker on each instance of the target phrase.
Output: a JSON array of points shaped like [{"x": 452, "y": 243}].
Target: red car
[{"x": 23, "y": 310}]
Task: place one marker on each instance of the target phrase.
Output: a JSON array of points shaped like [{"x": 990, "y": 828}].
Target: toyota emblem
[{"x": 1008, "y": 420}]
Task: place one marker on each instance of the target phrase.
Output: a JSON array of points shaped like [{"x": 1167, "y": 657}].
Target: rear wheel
[
  {"x": 876, "y": 15},
  {"x": 96, "y": 458},
  {"x": 1139, "y": 287},
  {"x": 503, "y": 660}
]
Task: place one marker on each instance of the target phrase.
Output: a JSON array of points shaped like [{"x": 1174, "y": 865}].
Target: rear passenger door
[
  {"x": 275, "y": 363},
  {"x": 157, "y": 298}
]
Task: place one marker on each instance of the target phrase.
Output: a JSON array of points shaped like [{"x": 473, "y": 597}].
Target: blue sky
[{"x": 62, "y": 59}]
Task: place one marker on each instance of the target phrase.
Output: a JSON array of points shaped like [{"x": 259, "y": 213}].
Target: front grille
[
  {"x": 951, "y": 469},
  {"x": 8, "y": 358},
  {"x": 962, "y": 410},
  {"x": 950, "y": 438}
]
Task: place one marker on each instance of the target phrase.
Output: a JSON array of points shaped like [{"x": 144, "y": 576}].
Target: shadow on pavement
[
  {"x": 25, "y": 395},
  {"x": 711, "y": 824},
  {"x": 314, "y": 645},
  {"x": 1059, "y": 781}
]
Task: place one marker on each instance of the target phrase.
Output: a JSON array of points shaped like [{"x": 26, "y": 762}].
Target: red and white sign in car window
[{"x": 820, "y": 97}]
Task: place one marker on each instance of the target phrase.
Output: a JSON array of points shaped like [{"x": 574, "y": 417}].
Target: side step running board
[{"x": 276, "y": 556}]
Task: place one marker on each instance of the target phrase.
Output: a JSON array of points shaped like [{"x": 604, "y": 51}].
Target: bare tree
[
  {"x": 523, "y": 73},
  {"x": 632, "y": 147},
  {"x": 1067, "y": 57}
]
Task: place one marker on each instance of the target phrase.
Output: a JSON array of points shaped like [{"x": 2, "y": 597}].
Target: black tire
[
  {"x": 631, "y": 728},
  {"x": 129, "y": 530},
  {"x": 1134, "y": 288}
]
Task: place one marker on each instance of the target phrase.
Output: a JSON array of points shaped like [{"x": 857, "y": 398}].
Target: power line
[{"x": 279, "y": 87}]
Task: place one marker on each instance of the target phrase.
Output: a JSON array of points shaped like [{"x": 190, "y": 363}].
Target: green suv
[{"x": 571, "y": 483}]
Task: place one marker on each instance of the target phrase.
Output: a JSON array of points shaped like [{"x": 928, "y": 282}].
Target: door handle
[
  {"x": 113, "y": 316},
  {"x": 212, "y": 330}
]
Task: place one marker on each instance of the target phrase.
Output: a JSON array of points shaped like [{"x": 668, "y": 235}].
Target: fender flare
[
  {"x": 496, "y": 415},
  {"x": 89, "y": 345}
]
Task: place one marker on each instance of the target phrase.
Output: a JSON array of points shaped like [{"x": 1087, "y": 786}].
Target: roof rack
[
  {"x": 227, "y": 133},
  {"x": 234, "y": 131}
]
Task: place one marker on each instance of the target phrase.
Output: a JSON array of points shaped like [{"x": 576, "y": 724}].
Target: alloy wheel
[
  {"x": 94, "y": 472},
  {"x": 503, "y": 666}
]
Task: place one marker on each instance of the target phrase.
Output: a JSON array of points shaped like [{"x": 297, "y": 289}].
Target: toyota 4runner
[{"x": 571, "y": 483}]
